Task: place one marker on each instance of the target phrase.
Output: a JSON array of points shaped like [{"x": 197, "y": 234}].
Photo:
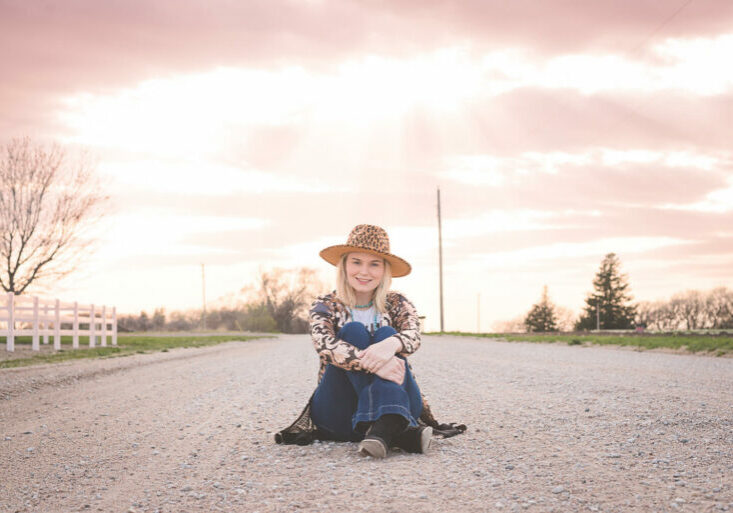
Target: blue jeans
[{"x": 346, "y": 402}]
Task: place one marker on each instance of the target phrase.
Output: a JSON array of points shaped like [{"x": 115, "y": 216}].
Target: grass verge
[
  {"x": 714, "y": 344},
  {"x": 126, "y": 345}
]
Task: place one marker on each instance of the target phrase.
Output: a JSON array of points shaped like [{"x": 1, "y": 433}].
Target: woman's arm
[
  {"x": 340, "y": 353},
  {"x": 407, "y": 324},
  {"x": 329, "y": 348},
  {"x": 393, "y": 370},
  {"x": 406, "y": 341}
]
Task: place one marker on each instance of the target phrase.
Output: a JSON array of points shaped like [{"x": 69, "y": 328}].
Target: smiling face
[{"x": 364, "y": 272}]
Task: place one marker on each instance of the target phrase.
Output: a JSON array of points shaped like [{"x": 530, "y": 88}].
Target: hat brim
[{"x": 333, "y": 254}]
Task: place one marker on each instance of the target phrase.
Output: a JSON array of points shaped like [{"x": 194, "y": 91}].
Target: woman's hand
[
  {"x": 376, "y": 355},
  {"x": 393, "y": 370}
]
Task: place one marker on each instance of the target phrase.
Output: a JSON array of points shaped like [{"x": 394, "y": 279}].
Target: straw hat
[{"x": 368, "y": 238}]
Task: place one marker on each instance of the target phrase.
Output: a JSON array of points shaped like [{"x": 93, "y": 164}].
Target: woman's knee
[
  {"x": 356, "y": 334},
  {"x": 384, "y": 333}
]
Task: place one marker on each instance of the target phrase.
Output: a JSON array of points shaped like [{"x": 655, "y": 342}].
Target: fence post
[
  {"x": 75, "y": 336},
  {"x": 35, "y": 345},
  {"x": 45, "y": 323},
  {"x": 10, "y": 340},
  {"x": 114, "y": 325},
  {"x": 92, "y": 322},
  {"x": 57, "y": 327},
  {"x": 104, "y": 326}
]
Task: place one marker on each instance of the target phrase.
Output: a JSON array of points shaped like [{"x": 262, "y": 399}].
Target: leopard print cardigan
[{"x": 327, "y": 316}]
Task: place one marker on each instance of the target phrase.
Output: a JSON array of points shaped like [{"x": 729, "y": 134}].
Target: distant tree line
[
  {"x": 690, "y": 310},
  {"x": 278, "y": 304},
  {"x": 609, "y": 307},
  {"x": 251, "y": 317}
]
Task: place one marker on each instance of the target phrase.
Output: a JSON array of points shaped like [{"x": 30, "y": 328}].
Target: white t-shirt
[{"x": 366, "y": 316}]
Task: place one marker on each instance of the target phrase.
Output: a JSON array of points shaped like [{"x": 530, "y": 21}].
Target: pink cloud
[
  {"x": 560, "y": 25},
  {"x": 115, "y": 38},
  {"x": 587, "y": 189},
  {"x": 562, "y": 120},
  {"x": 52, "y": 49}
]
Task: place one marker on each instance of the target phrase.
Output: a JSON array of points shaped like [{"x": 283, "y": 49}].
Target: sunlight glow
[
  {"x": 497, "y": 221},
  {"x": 704, "y": 162},
  {"x": 697, "y": 66},
  {"x": 493, "y": 171},
  {"x": 701, "y": 65},
  {"x": 475, "y": 170},
  {"x": 160, "y": 232},
  {"x": 190, "y": 114},
  {"x": 376, "y": 87},
  {"x": 564, "y": 250},
  {"x": 591, "y": 74},
  {"x": 615, "y": 157},
  {"x": 414, "y": 240},
  {"x": 197, "y": 114},
  {"x": 201, "y": 177}
]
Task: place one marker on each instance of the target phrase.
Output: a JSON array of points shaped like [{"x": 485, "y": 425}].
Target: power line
[{"x": 660, "y": 26}]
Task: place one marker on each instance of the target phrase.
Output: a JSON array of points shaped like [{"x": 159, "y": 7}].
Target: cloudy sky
[{"x": 248, "y": 135}]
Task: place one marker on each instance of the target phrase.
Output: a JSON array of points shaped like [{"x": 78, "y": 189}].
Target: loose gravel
[{"x": 551, "y": 428}]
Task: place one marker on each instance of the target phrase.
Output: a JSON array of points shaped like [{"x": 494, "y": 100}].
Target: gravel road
[{"x": 551, "y": 428}]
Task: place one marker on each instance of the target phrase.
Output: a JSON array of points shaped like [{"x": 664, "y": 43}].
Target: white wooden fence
[{"x": 44, "y": 317}]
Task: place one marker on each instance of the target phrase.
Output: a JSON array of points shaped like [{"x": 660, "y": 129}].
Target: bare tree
[
  {"x": 719, "y": 306},
  {"x": 646, "y": 314},
  {"x": 689, "y": 310},
  {"x": 287, "y": 293},
  {"x": 566, "y": 318},
  {"x": 46, "y": 203},
  {"x": 689, "y": 307},
  {"x": 515, "y": 325}
]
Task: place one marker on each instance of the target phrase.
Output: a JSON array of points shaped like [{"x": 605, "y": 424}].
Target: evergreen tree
[
  {"x": 609, "y": 301},
  {"x": 542, "y": 316}
]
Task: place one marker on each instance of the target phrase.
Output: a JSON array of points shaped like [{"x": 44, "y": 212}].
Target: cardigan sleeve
[
  {"x": 329, "y": 348},
  {"x": 407, "y": 324}
]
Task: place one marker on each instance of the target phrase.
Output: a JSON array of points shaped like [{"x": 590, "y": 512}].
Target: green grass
[
  {"x": 717, "y": 344},
  {"x": 126, "y": 345}
]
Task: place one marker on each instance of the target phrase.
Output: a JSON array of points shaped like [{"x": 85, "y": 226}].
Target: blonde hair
[{"x": 346, "y": 293}]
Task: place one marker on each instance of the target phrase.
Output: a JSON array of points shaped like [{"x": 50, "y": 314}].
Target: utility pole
[
  {"x": 598, "y": 314},
  {"x": 440, "y": 262},
  {"x": 478, "y": 313},
  {"x": 203, "y": 296}
]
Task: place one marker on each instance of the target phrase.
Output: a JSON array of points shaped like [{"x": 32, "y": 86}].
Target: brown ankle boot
[
  {"x": 414, "y": 439},
  {"x": 381, "y": 434}
]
